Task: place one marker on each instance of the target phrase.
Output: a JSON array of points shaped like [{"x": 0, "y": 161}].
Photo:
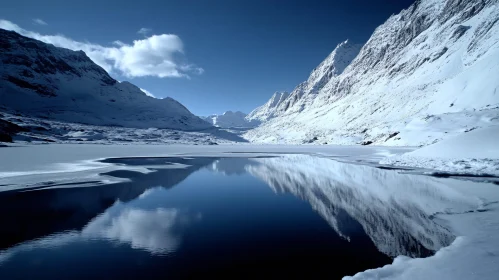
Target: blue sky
[{"x": 229, "y": 54}]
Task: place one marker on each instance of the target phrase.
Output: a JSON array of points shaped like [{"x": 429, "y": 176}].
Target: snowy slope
[
  {"x": 475, "y": 152},
  {"x": 41, "y": 80},
  {"x": 433, "y": 63},
  {"x": 231, "y": 119}
]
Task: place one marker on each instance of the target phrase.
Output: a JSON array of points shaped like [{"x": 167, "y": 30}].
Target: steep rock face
[
  {"x": 231, "y": 119},
  {"x": 268, "y": 110},
  {"x": 42, "y": 80},
  {"x": 304, "y": 93},
  {"x": 329, "y": 69},
  {"x": 433, "y": 59}
]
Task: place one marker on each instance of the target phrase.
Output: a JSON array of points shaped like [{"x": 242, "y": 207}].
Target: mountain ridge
[{"x": 41, "y": 80}]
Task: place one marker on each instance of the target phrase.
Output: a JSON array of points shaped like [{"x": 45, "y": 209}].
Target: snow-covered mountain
[
  {"x": 268, "y": 110},
  {"x": 42, "y": 80},
  {"x": 427, "y": 73},
  {"x": 231, "y": 119},
  {"x": 331, "y": 67}
]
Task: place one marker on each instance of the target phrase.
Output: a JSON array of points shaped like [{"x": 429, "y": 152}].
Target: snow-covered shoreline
[
  {"x": 472, "y": 255},
  {"x": 475, "y": 152}
]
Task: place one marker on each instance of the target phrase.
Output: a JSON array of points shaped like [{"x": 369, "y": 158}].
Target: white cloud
[
  {"x": 148, "y": 93},
  {"x": 119, "y": 43},
  {"x": 39, "y": 21},
  {"x": 144, "y": 31},
  {"x": 156, "y": 55}
]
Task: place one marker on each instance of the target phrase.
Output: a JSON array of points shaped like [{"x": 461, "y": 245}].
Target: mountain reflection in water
[{"x": 365, "y": 206}]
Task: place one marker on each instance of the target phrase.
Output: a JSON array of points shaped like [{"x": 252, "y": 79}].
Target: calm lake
[{"x": 286, "y": 216}]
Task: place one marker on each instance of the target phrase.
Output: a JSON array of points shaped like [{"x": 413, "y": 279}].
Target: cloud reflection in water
[{"x": 157, "y": 231}]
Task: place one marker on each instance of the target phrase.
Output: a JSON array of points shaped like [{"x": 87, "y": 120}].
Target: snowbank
[
  {"x": 475, "y": 152},
  {"x": 473, "y": 255}
]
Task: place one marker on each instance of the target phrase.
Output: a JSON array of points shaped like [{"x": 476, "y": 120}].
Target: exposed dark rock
[
  {"x": 481, "y": 31},
  {"x": 459, "y": 32},
  {"x": 454, "y": 7},
  {"x": 40, "y": 89},
  {"x": 11, "y": 128},
  {"x": 392, "y": 135},
  {"x": 8, "y": 129},
  {"x": 4, "y": 137},
  {"x": 439, "y": 54},
  {"x": 313, "y": 140},
  {"x": 365, "y": 143},
  {"x": 470, "y": 129},
  {"x": 36, "y": 128}
]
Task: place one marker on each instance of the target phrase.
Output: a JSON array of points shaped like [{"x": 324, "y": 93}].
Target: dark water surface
[{"x": 222, "y": 217}]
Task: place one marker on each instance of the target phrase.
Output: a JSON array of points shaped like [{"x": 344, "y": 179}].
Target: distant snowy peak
[
  {"x": 41, "y": 80},
  {"x": 333, "y": 65},
  {"x": 267, "y": 110},
  {"x": 235, "y": 114},
  {"x": 231, "y": 119}
]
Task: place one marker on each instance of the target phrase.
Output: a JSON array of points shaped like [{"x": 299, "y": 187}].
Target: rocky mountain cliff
[
  {"x": 268, "y": 110},
  {"x": 425, "y": 74},
  {"x": 45, "y": 81}
]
